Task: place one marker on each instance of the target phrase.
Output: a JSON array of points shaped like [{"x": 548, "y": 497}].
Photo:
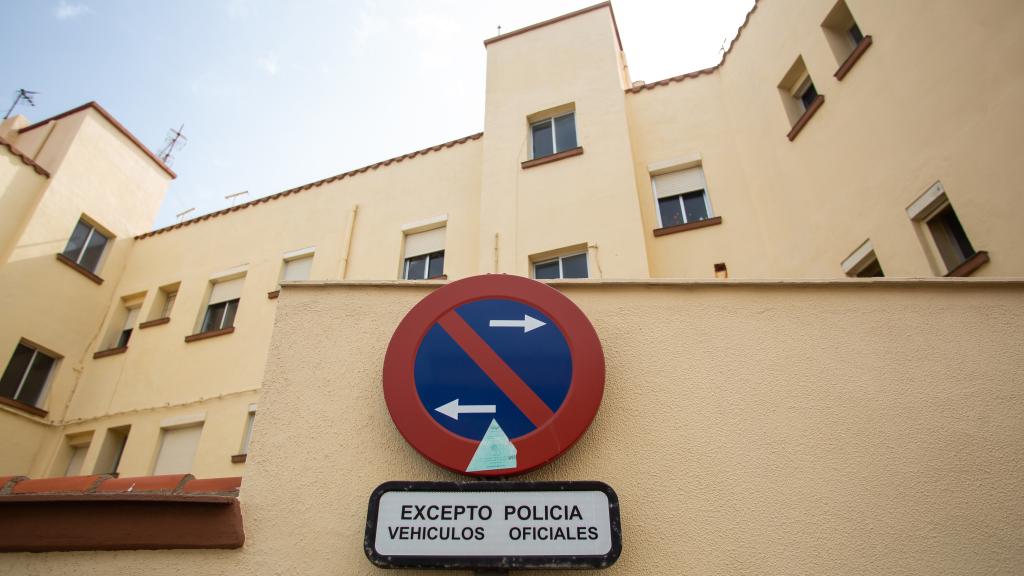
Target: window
[
  {"x": 844, "y": 37},
  {"x": 27, "y": 375},
  {"x": 297, "y": 268},
  {"x": 863, "y": 263},
  {"x": 79, "y": 446},
  {"x": 247, "y": 436},
  {"x": 126, "y": 331},
  {"x": 553, "y": 135},
  {"x": 807, "y": 93},
  {"x": 169, "y": 299},
  {"x": 951, "y": 245},
  {"x": 223, "y": 305},
  {"x": 800, "y": 97},
  {"x": 178, "y": 448},
  {"x": 424, "y": 255},
  {"x": 950, "y": 239},
  {"x": 111, "y": 450},
  {"x": 85, "y": 247},
  {"x": 569, "y": 266},
  {"x": 682, "y": 197}
]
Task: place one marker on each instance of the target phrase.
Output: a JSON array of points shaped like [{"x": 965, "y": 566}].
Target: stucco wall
[{"x": 749, "y": 428}]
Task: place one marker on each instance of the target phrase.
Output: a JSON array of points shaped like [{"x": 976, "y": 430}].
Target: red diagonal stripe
[{"x": 495, "y": 368}]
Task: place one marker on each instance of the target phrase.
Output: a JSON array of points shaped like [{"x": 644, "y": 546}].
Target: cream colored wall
[
  {"x": 20, "y": 190},
  {"x": 782, "y": 428},
  {"x": 934, "y": 98},
  {"x": 584, "y": 199},
  {"x": 94, "y": 170},
  {"x": 162, "y": 375}
]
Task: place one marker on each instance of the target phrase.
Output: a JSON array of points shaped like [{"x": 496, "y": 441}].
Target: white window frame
[
  {"x": 426, "y": 266},
  {"x": 561, "y": 272},
  {"x": 682, "y": 208},
  {"x": 93, "y": 229},
  {"x": 554, "y": 137}
]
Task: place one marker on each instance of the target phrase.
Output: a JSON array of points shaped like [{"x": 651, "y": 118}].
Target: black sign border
[{"x": 503, "y": 562}]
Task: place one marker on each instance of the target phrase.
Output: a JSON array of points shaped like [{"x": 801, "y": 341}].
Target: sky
[{"x": 276, "y": 94}]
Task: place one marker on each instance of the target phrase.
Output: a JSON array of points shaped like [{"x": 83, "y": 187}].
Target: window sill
[
  {"x": 78, "y": 268},
  {"x": 210, "y": 334},
  {"x": 33, "y": 410},
  {"x": 969, "y": 266},
  {"x": 110, "y": 352},
  {"x": 273, "y": 295},
  {"x": 689, "y": 226},
  {"x": 553, "y": 157},
  {"x": 847, "y": 64},
  {"x": 152, "y": 323},
  {"x": 808, "y": 114},
  {"x": 238, "y": 458}
]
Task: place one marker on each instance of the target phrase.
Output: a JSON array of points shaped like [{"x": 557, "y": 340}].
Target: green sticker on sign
[{"x": 496, "y": 451}]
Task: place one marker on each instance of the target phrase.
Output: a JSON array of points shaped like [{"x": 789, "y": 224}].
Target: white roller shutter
[
  {"x": 424, "y": 242},
  {"x": 297, "y": 269},
  {"x": 177, "y": 450},
  {"x": 681, "y": 182},
  {"x": 226, "y": 290}
]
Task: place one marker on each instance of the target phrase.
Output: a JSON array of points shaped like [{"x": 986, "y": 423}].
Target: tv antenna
[
  {"x": 499, "y": 29},
  {"x": 175, "y": 138},
  {"x": 721, "y": 49},
  {"x": 21, "y": 94},
  {"x": 233, "y": 197},
  {"x": 181, "y": 215}
]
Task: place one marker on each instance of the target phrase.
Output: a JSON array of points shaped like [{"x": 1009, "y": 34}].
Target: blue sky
[{"x": 277, "y": 94}]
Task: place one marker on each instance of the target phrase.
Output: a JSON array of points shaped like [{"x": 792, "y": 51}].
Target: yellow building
[{"x": 716, "y": 217}]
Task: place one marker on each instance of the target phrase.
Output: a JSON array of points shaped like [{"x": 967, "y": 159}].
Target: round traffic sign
[{"x": 493, "y": 375}]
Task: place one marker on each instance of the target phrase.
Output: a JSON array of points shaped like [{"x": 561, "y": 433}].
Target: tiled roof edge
[
  {"x": 681, "y": 77},
  {"x": 25, "y": 159},
  {"x": 113, "y": 122},
  {"x": 328, "y": 180}
]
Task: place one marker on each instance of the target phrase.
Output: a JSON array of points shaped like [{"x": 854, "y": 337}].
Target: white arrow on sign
[
  {"x": 452, "y": 409},
  {"x": 527, "y": 323}
]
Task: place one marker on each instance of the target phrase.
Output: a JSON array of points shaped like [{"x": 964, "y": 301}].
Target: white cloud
[
  {"x": 66, "y": 11},
  {"x": 269, "y": 64}
]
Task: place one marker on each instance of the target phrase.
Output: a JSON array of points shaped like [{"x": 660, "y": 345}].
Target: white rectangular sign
[{"x": 544, "y": 524}]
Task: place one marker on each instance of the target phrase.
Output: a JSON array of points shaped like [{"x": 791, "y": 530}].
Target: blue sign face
[{"x": 493, "y": 359}]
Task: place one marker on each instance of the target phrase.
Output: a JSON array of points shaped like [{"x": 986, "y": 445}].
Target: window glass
[
  {"x": 93, "y": 250},
  {"x": 950, "y": 238},
  {"x": 546, "y": 270},
  {"x": 15, "y": 371},
  {"x": 436, "y": 265},
  {"x": 415, "y": 268},
  {"x": 248, "y": 432},
  {"x": 695, "y": 206},
  {"x": 574, "y": 266},
  {"x": 75, "y": 462},
  {"x": 671, "y": 211},
  {"x": 231, "y": 308},
  {"x": 542, "y": 141},
  {"x": 214, "y": 317},
  {"x": 810, "y": 93},
  {"x": 855, "y": 34},
  {"x": 77, "y": 240},
  {"x": 168, "y": 305},
  {"x": 872, "y": 270},
  {"x": 565, "y": 132},
  {"x": 38, "y": 372}
]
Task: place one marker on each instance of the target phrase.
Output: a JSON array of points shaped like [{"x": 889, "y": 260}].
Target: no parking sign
[{"x": 493, "y": 375}]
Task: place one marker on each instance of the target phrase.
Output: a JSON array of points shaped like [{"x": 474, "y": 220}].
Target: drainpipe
[{"x": 348, "y": 240}]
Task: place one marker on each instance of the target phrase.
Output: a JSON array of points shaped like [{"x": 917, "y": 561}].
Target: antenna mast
[
  {"x": 21, "y": 94},
  {"x": 181, "y": 215},
  {"x": 233, "y": 197},
  {"x": 175, "y": 138}
]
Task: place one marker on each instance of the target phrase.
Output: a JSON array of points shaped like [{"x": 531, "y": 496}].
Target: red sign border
[{"x": 536, "y": 448}]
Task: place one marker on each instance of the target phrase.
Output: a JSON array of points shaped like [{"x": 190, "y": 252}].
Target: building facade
[{"x": 835, "y": 140}]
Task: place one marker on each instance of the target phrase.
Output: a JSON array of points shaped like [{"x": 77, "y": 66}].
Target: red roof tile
[
  {"x": 348, "y": 174},
  {"x": 167, "y": 483},
  {"x": 25, "y": 159},
  {"x": 213, "y": 485},
  {"x": 77, "y": 484}
]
